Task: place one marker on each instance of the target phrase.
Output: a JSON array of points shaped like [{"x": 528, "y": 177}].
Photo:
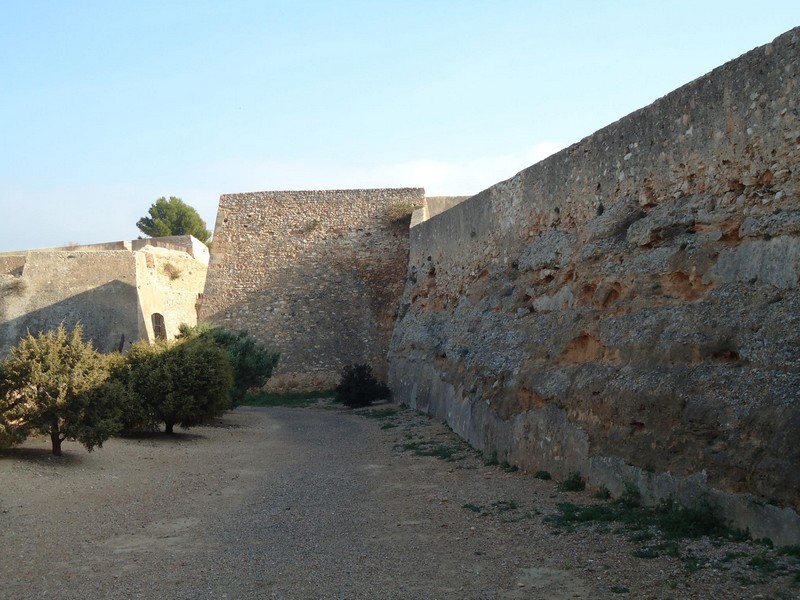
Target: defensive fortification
[
  {"x": 120, "y": 292},
  {"x": 629, "y": 307},
  {"x": 316, "y": 275}
]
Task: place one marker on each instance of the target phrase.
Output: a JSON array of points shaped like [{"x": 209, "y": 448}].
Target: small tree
[
  {"x": 185, "y": 383},
  {"x": 359, "y": 387},
  {"x": 252, "y": 362},
  {"x": 53, "y": 384},
  {"x": 173, "y": 217}
]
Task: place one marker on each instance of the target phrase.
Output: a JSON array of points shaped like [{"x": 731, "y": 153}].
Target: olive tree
[{"x": 54, "y": 383}]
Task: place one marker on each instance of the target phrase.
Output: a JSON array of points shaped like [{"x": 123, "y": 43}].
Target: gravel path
[{"x": 321, "y": 503}]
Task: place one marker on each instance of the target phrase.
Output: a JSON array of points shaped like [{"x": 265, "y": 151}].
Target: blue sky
[{"x": 107, "y": 105}]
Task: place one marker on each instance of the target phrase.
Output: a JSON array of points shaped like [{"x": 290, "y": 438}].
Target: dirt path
[{"x": 315, "y": 503}]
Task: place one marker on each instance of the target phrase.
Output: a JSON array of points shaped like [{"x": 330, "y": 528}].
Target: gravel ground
[{"x": 324, "y": 503}]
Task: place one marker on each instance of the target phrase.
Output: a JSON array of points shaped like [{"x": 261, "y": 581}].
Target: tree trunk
[
  {"x": 168, "y": 426},
  {"x": 55, "y": 437}
]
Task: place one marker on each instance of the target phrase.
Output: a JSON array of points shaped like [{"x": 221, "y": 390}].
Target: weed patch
[
  {"x": 287, "y": 399},
  {"x": 377, "y": 413},
  {"x": 431, "y": 448},
  {"x": 573, "y": 483}
]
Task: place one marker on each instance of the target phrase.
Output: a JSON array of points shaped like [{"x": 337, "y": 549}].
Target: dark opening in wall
[{"x": 159, "y": 329}]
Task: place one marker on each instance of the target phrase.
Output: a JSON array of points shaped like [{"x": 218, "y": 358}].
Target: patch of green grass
[
  {"x": 631, "y": 496},
  {"x": 692, "y": 563},
  {"x": 287, "y": 399},
  {"x": 677, "y": 521},
  {"x": 763, "y": 562},
  {"x": 389, "y": 425},
  {"x": 543, "y": 475},
  {"x": 377, "y": 413},
  {"x": 573, "y": 483},
  {"x": 671, "y": 520},
  {"x": 430, "y": 448}
]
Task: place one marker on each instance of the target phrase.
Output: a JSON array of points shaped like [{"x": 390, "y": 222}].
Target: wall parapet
[{"x": 626, "y": 307}]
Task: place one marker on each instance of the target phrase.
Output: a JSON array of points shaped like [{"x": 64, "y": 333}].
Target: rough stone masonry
[
  {"x": 629, "y": 308},
  {"x": 316, "y": 275}
]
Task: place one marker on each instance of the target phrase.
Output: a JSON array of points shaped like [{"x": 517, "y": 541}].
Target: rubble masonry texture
[{"x": 629, "y": 307}]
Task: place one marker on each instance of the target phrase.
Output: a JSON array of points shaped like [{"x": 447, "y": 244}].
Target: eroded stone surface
[{"x": 629, "y": 307}]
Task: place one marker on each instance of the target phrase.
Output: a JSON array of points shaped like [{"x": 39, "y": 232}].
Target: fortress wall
[
  {"x": 169, "y": 283},
  {"x": 99, "y": 290},
  {"x": 629, "y": 307},
  {"x": 12, "y": 264},
  {"x": 184, "y": 243},
  {"x": 112, "y": 292},
  {"x": 316, "y": 275}
]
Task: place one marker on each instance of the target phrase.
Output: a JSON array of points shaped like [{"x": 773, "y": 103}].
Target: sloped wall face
[
  {"x": 52, "y": 287},
  {"x": 316, "y": 275},
  {"x": 170, "y": 283},
  {"x": 629, "y": 307}
]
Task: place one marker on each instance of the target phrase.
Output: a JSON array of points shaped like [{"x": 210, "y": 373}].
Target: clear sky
[{"x": 106, "y": 105}]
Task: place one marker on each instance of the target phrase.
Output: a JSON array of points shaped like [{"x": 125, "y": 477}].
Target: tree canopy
[
  {"x": 251, "y": 360},
  {"x": 173, "y": 217},
  {"x": 55, "y": 384},
  {"x": 186, "y": 383}
]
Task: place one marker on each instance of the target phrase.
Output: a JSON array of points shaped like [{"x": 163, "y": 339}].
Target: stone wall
[
  {"x": 68, "y": 287},
  {"x": 629, "y": 307},
  {"x": 110, "y": 289},
  {"x": 169, "y": 283},
  {"x": 316, "y": 275}
]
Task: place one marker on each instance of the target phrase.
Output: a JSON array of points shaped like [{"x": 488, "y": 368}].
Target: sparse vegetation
[
  {"x": 543, "y": 475},
  {"x": 171, "y": 271},
  {"x": 573, "y": 483},
  {"x": 14, "y": 287},
  {"x": 287, "y": 399},
  {"x": 378, "y": 413},
  {"x": 446, "y": 452}
]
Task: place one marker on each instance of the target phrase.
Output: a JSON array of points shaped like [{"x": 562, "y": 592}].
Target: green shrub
[
  {"x": 184, "y": 383},
  {"x": 543, "y": 475},
  {"x": 251, "y": 361},
  {"x": 358, "y": 387}
]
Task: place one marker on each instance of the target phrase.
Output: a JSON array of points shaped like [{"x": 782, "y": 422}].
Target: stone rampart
[
  {"x": 316, "y": 275},
  {"x": 110, "y": 289},
  {"x": 629, "y": 307},
  {"x": 68, "y": 287},
  {"x": 184, "y": 243}
]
